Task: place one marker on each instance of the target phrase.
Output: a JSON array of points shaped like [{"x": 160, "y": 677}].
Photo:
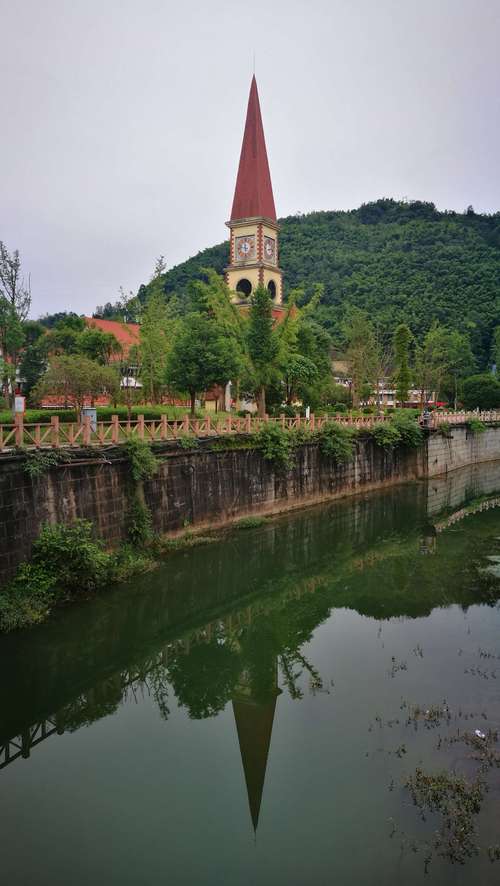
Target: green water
[{"x": 233, "y": 718}]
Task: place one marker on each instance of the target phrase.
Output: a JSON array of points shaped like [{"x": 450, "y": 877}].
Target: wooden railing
[
  {"x": 57, "y": 434},
  {"x": 459, "y": 418}
]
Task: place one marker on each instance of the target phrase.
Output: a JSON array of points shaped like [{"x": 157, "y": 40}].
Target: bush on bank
[{"x": 67, "y": 563}]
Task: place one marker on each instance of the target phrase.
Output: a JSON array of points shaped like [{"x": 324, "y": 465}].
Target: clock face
[
  {"x": 270, "y": 249},
  {"x": 245, "y": 247}
]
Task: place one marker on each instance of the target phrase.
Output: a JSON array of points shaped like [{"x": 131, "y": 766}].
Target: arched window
[
  {"x": 244, "y": 287},
  {"x": 271, "y": 286}
]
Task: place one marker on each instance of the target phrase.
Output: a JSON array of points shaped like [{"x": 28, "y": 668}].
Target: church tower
[{"x": 253, "y": 250}]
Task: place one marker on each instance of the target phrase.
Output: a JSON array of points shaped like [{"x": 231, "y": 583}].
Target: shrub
[
  {"x": 476, "y": 426},
  {"x": 336, "y": 441},
  {"x": 340, "y": 407},
  {"x": 27, "y": 598},
  {"x": 385, "y": 434},
  {"x": 143, "y": 462},
  {"x": 275, "y": 444},
  {"x": 185, "y": 441},
  {"x": 40, "y": 461},
  {"x": 249, "y": 522},
  {"x": 409, "y": 430},
  {"x": 139, "y": 522},
  {"x": 71, "y": 556}
]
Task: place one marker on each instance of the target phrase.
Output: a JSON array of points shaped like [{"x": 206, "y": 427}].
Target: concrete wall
[
  {"x": 461, "y": 447},
  {"x": 200, "y": 488}
]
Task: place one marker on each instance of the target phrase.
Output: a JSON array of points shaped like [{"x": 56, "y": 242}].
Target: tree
[
  {"x": 263, "y": 346},
  {"x": 201, "y": 356},
  {"x": 444, "y": 359},
  {"x": 495, "y": 348},
  {"x": 402, "y": 375},
  {"x": 481, "y": 392},
  {"x": 13, "y": 285},
  {"x": 33, "y": 361},
  {"x": 76, "y": 379},
  {"x": 156, "y": 336},
  {"x": 361, "y": 353},
  {"x": 98, "y": 345}
]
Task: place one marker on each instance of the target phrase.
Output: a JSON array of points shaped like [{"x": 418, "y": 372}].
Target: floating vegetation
[
  {"x": 397, "y": 666},
  {"x": 457, "y": 801}
]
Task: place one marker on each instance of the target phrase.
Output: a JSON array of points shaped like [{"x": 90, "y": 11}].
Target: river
[{"x": 251, "y": 712}]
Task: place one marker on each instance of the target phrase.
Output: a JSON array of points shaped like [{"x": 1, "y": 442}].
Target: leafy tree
[
  {"x": 361, "y": 353},
  {"x": 98, "y": 345},
  {"x": 200, "y": 357},
  {"x": 402, "y": 374},
  {"x": 263, "y": 346},
  {"x": 481, "y": 392},
  {"x": 75, "y": 379},
  {"x": 154, "y": 347},
  {"x": 495, "y": 348}
]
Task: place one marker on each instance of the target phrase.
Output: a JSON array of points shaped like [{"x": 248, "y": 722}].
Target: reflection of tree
[
  {"x": 101, "y": 701},
  {"x": 204, "y": 679},
  {"x": 290, "y": 658}
]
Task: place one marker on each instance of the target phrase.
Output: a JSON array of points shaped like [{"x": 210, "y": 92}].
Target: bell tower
[{"x": 253, "y": 242}]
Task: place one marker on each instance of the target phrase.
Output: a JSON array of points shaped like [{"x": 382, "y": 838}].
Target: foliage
[
  {"x": 386, "y": 435},
  {"x": 249, "y": 523},
  {"x": 39, "y": 461},
  {"x": 402, "y": 374},
  {"x": 399, "y": 261},
  {"x": 481, "y": 392},
  {"x": 361, "y": 353},
  {"x": 186, "y": 441},
  {"x": 75, "y": 379},
  {"x": 157, "y": 332},
  {"x": 143, "y": 462},
  {"x": 409, "y": 430},
  {"x": 139, "y": 522},
  {"x": 27, "y": 598},
  {"x": 336, "y": 441},
  {"x": 476, "y": 426},
  {"x": 201, "y": 356},
  {"x": 275, "y": 444},
  {"x": 14, "y": 288},
  {"x": 71, "y": 555},
  {"x": 263, "y": 346}
]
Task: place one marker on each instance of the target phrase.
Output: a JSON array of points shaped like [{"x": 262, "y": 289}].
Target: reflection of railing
[
  {"x": 57, "y": 435},
  {"x": 22, "y": 745},
  {"x": 466, "y": 511}
]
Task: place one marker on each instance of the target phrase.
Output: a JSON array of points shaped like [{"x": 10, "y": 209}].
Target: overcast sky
[{"x": 122, "y": 122}]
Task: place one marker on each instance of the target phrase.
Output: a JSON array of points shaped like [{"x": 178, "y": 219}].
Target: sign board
[
  {"x": 19, "y": 405},
  {"x": 92, "y": 413}
]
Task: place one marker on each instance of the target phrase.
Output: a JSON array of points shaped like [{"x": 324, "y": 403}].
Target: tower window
[
  {"x": 271, "y": 287},
  {"x": 244, "y": 287}
]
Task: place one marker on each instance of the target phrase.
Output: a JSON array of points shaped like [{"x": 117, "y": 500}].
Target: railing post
[
  {"x": 282, "y": 419},
  {"x": 19, "y": 429},
  {"x": 248, "y": 423},
  {"x": 185, "y": 424},
  {"x": 164, "y": 427},
  {"x": 196, "y": 427},
  {"x": 208, "y": 425},
  {"x": 230, "y": 423},
  {"x": 54, "y": 434},
  {"x": 312, "y": 422},
  {"x": 115, "y": 429},
  {"x": 140, "y": 427},
  {"x": 87, "y": 430}
]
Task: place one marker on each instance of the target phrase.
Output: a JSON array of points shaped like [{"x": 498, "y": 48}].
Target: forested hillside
[{"x": 399, "y": 261}]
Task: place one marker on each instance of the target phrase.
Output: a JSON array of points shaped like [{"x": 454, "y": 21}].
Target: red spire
[{"x": 253, "y": 195}]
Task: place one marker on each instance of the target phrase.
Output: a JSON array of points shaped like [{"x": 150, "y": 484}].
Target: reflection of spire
[{"x": 254, "y": 723}]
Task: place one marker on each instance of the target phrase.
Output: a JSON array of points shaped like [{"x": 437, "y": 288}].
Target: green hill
[{"x": 399, "y": 261}]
